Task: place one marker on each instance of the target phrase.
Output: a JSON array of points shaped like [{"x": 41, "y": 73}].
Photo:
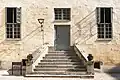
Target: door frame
[{"x": 55, "y": 26}]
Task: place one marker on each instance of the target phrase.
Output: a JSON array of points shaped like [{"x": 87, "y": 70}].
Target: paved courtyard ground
[{"x": 98, "y": 76}]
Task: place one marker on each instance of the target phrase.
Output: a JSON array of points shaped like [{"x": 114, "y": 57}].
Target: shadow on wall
[
  {"x": 84, "y": 28},
  {"x": 19, "y": 68},
  {"x": 9, "y": 46}
]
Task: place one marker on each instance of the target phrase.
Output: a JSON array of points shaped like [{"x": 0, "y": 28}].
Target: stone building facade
[{"x": 84, "y": 17}]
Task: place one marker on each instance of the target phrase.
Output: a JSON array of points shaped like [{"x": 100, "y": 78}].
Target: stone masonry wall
[{"x": 83, "y": 28}]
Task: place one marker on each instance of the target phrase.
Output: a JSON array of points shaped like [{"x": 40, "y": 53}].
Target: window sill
[
  {"x": 13, "y": 39},
  {"x": 62, "y": 20},
  {"x": 108, "y": 39}
]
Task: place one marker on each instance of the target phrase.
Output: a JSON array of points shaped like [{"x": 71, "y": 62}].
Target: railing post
[
  {"x": 29, "y": 67},
  {"x": 29, "y": 63},
  {"x": 90, "y": 64},
  {"x": 90, "y": 67}
]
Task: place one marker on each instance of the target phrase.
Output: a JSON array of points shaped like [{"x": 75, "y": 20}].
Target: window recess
[
  {"x": 13, "y": 23},
  {"x": 104, "y": 22},
  {"x": 62, "y": 13}
]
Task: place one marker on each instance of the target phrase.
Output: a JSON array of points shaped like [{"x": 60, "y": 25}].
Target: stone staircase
[{"x": 60, "y": 64}]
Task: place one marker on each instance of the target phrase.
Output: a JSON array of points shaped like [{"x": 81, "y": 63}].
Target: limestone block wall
[
  {"x": 83, "y": 28},
  {"x": 107, "y": 53},
  {"x": 31, "y": 34},
  {"x": 102, "y": 50}
]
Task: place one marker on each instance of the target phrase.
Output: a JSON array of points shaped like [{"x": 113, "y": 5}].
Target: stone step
[
  {"x": 60, "y": 66},
  {"x": 61, "y": 52},
  {"x": 60, "y": 63},
  {"x": 61, "y": 57},
  {"x": 61, "y": 60},
  {"x": 83, "y": 76},
  {"x": 60, "y": 72},
  {"x": 68, "y": 51},
  {"x": 52, "y": 54},
  {"x": 72, "y": 53},
  {"x": 60, "y": 69},
  {"x": 52, "y": 48}
]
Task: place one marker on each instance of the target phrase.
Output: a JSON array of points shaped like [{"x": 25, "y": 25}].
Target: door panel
[{"x": 62, "y": 37}]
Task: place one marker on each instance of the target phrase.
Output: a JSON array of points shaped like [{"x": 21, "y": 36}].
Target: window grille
[
  {"x": 62, "y": 13},
  {"x": 13, "y": 23},
  {"x": 104, "y": 23}
]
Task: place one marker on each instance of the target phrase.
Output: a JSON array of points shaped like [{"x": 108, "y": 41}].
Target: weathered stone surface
[{"x": 83, "y": 28}]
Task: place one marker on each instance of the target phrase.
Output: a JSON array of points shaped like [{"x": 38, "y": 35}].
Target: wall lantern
[{"x": 41, "y": 21}]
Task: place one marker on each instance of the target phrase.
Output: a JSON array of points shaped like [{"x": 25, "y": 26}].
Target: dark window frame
[
  {"x": 62, "y": 14},
  {"x": 104, "y": 27},
  {"x": 13, "y": 28}
]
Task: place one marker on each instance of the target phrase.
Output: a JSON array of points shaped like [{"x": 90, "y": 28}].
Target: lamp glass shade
[{"x": 41, "y": 21}]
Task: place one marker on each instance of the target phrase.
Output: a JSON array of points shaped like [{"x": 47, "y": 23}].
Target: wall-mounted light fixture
[{"x": 41, "y": 21}]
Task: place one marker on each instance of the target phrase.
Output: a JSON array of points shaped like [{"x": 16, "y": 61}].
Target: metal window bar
[
  {"x": 13, "y": 29},
  {"x": 104, "y": 25},
  {"x": 62, "y": 13}
]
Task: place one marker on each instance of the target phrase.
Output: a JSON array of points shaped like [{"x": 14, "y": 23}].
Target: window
[
  {"x": 104, "y": 23},
  {"x": 13, "y": 20},
  {"x": 62, "y": 13}
]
